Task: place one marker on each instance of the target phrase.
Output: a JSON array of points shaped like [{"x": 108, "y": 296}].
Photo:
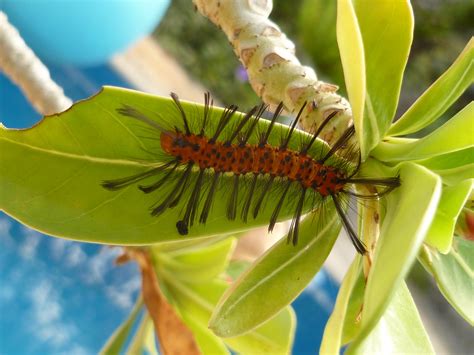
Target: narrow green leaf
[
  {"x": 51, "y": 174},
  {"x": 387, "y": 34},
  {"x": 453, "y": 167},
  {"x": 199, "y": 300},
  {"x": 200, "y": 264},
  {"x": 399, "y": 331},
  {"x": 332, "y": 337},
  {"x": 456, "y": 134},
  {"x": 351, "y": 325},
  {"x": 410, "y": 211},
  {"x": 277, "y": 277},
  {"x": 454, "y": 274},
  {"x": 452, "y": 201},
  {"x": 144, "y": 338},
  {"x": 350, "y": 44},
  {"x": 117, "y": 340},
  {"x": 439, "y": 96}
]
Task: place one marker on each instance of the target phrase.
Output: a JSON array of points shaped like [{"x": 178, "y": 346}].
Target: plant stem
[
  {"x": 274, "y": 72},
  {"x": 369, "y": 227}
]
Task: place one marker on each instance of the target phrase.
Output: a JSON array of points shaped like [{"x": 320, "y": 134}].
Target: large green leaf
[
  {"x": 387, "y": 33},
  {"x": 454, "y": 274},
  {"x": 399, "y": 331},
  {"x": 277, "y": 277},
  {"x": 51, "y": 174},
  {"x": 452, "y": 201},
  {"x": 456, "y": 134},
  {"x": 349, "y": 40},
  {"x": 439, "y": 96},
  {"x": 410, "y": 211}
]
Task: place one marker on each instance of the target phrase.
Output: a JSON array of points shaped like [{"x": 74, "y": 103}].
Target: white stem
[
  {"x": 21, "y": 65},
  {"x": 274, "y": 72}
]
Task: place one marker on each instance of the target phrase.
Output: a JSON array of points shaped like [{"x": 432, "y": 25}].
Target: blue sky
[{"x": 58, "y": 296}]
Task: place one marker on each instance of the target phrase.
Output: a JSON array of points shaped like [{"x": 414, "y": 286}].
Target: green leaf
[
  {"x": 399, "y": 331},
  {"x": 117, "y": 340},
  {"x": 144, "y": 338},
  {"x": 51, "y": 173},
  {"x": 453, "y": 167},
  {"x": 454, "y": 274},
  {"x": 208, "y": 343},
  {"x": 277, "y": 277},
  {"x": 332, "y": 337},
  {"x": 439, "y": 96},
  {"x": 199, "y": 300},
  {"x": 349, "y": 40},
  {"x": 410, "y": 211},
  {"x": 452, "y": 201},
  {"x": 456, "y": 134},
  {"x": 351, "y": 326},
  {"x": 199, "y": 264},
  {"x": 280, "y": 329},
  {"x": 387, "y": 34}
]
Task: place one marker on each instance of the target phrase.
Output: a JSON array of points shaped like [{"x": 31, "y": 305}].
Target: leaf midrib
[
  {"x": 82, "y": 157},
  {"x": 281, "y": 267}
]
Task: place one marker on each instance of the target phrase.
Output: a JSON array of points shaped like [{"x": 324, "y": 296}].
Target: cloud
[
  {"x": 75, "y": 255},
  {"x": 71, "y": 252},
  {"x": 45, "y": 303},
  {"x": 100, "y": 264},
  {"x": 77, "y": 349},
  {"x": 30, "y": 243},
  {"x": 124, "y": 294},
  {"x": 46, "y": 312},
  {"x": 58, "y": 246}
]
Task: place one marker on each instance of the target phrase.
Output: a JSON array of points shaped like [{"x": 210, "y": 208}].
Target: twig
[{"x": 274, "y": 72}]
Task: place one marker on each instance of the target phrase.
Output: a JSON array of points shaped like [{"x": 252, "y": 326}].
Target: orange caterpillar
[{"x": 310, "y": 176}]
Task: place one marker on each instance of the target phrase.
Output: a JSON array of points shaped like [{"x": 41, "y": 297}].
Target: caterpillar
[{"x": 317, "y": 177}]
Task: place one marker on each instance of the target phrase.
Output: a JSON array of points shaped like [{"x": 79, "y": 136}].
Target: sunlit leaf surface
[
  {"x": 452, "y": 201},
  {"x": 455, "y": 135},
  {"x": 454, "y": 274},
  {"x": 387, "y": 34},
  {"x": 277, "y": 277},
  {"x": 351, "y": 48},
  {"x": 439, "y": 96}
]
